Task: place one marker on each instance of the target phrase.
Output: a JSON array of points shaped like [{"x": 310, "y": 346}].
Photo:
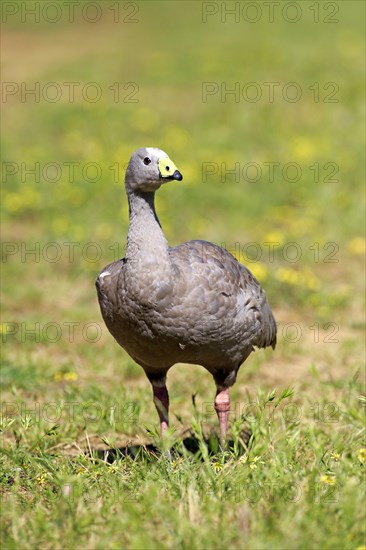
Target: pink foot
[
  {"x": 161, "y": 400},
  {"x": 222, "y": 407}
]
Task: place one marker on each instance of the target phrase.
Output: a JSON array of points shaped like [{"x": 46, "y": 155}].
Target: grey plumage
[{"x": 192, "y": 303}]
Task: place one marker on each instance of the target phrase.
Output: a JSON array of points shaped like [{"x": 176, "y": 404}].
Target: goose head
[{"x": 148, "y": 169}]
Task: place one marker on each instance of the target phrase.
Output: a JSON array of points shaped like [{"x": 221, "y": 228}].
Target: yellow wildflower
[
  {"x": 328, "y": 479},
  {"x": 335, "y": 456},
  {"x": 65, "y": 376},
  {"x": 310, "y": 280},
  {"x": 287, "y": 275},
  {"x": 4, "y": 328},
  {"x": 305, "y": 278},
  {"x": 18, "y": 202},
  {"x": 60, "y": 225},
  {"x": 357, "y": 246},
  {"x": 41, "y": 480},
  {"x": 362, "y": 455},
  {"x": 259, "y": 270},
  {"x": 253, "y": 464},
  {"x": 217, "y": 466},
  {"x": 274, "y": 237},
  {"x": 303, "y": 149},
  {"x": 70, "y": 376}
]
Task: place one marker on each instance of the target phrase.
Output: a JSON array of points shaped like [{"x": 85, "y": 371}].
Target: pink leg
[
  {"x": 222, "y": 407},
  {"x": 161, "y": 400}
]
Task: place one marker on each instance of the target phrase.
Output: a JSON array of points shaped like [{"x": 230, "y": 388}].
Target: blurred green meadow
[{"x": 263, "y": 113}]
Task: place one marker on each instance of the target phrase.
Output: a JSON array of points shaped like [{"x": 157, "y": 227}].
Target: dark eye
[
  {"x": 147, "y": 161},
  {"x": 168, "y": 168}
]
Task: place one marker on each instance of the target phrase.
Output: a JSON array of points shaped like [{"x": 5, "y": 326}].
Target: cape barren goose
[{"x": 191, "y": 303}]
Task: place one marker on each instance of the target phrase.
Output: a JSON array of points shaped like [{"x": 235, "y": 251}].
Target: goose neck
[{"x": 145, "y": 235}]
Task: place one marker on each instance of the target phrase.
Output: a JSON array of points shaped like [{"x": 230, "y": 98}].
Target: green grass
[
  {"x": 302, "y": 467},
  {"x": 70, "y": 393}
]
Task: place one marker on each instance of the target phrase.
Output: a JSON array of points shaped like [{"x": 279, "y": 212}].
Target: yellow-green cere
[{"x": 166, "y": 167}]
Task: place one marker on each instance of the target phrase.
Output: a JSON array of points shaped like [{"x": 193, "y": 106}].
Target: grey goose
[{"x": 191, "y": 303}]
